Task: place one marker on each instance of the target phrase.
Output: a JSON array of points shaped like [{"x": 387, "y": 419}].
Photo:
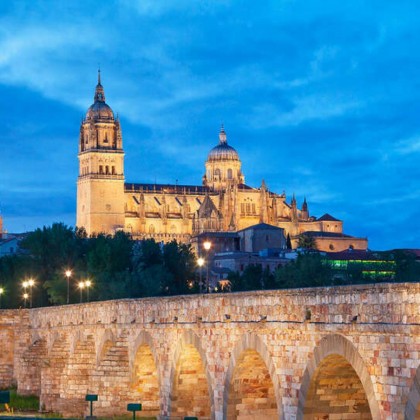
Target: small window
[
  {"x": 107, "y": 170},
  {"x": 331, "y": 247},
  {"x": 229, "y": 174},
  {"x": 101, "y": 169},
  {"x": 113, "y": 170},
  {"x": 217, "y": 173},
  {"x": 106, "y": 138}
]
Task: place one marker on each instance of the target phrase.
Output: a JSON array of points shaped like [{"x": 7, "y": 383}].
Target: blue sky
[{"x": 321, "y": 99}]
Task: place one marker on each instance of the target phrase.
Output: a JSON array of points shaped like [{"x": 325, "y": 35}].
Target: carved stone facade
[
  {"x": 105, "y": 203},
  {"x": 322, "y": 353}
]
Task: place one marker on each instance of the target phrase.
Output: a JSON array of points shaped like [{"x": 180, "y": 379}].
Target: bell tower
[{"x": 100, "y": 185}]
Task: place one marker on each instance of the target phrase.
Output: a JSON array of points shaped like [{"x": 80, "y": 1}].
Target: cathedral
[{"x": 222, "y": 203}]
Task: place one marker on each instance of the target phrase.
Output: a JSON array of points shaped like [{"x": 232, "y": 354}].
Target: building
[
  {"x": 359, "y": 266},
  {"x": 222, "y": 203},
  {"x": 9, "y": 243}
]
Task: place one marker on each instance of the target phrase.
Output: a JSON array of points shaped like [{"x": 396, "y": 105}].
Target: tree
[
  {"x": 308, "y": 270},
  {"x": 288, "y": 242},
  {"x": 306, "y": 242}
]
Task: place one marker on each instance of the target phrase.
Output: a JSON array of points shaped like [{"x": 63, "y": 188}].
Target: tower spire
[
  {"x": 99, "y": 91},
  {"x": 222, "y": 135}
]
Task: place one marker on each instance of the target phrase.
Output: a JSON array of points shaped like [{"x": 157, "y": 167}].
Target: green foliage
[
  {"x": 288, "y": 242},
  {"x": 117, "y": 266},
  {"x": 407, "y": 268},
  {"x": 308, "y": 270},
  {"x": 306, "y": 242},
  {"x": 252, "y": 278},
  {"x": 23, "y": 403}
]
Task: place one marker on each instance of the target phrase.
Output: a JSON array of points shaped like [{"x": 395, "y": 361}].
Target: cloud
[{"x": 320, "y": 100}]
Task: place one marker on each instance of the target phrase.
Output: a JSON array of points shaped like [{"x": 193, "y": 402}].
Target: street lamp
[
  {"x": 31, "y": 283},
  {"x": 1, "y": 292},
  {"x": 25, "y": 298},
  {"x": 200, "y": 263},
  {"x": 88, "y": 283},
  {"x": 68, "y": 275},
  {"x": 81, "y": 286},
  {"x": 25, "y": 286},
  {"x": 207, "y": 246}
]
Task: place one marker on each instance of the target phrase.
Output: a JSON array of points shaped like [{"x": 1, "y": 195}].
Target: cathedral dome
[
  {"x": 99, "y": 110},
  {"x": 222, "y": 151}
]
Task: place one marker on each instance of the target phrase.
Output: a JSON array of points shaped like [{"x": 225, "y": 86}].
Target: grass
[
  {"x": 30, "y": 403},
  {"x": 23, "y": 402}
]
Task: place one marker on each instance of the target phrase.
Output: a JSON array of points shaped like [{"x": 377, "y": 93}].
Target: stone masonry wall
[{"x": 268, "y": 351}]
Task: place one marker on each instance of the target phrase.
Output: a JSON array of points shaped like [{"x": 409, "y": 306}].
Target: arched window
[
  {"x": 107, "y": 170},
  {"x": 217, "y": 173},
  {"x": 229, "y": 174}
]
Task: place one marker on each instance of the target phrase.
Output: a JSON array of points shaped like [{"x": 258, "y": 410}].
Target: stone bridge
[{"x": 321, "y": 353}]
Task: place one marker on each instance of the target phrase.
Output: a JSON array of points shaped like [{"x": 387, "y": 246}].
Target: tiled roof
[
  {"x": 262, "y": 226},
  {"x": 174, "y": 188},
  {"x": 217, "y": 235},
  {"x": 352, "y": 254},
  {"x": 326, "y": 234},
  {"x": 328, "y": 218}
]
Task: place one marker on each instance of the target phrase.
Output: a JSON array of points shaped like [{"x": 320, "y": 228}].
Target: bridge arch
[
  {"x": 251, "y": 349},
  {"x": 334, "y": 352},
  {"x": 145, "y": 380},
  {"x": 190, "y": 381},
  {"x": 412, "y": 409},
  {"x": 107, "y": 339}
]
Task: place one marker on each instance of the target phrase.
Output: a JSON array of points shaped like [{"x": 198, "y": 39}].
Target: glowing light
[
  {"x": 207, "y": 245},
  {"x": 200, "y": 262},
  {"x": 68, "y": 273}
]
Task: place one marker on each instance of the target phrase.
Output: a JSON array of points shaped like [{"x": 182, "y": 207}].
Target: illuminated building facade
[{"x": 222, "y": 203}]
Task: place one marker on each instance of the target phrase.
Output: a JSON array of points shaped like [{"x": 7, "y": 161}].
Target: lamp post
[
  {"x": 1, "y": 292},
  {"x": 88, "y": 283},
  {"x": 31, "y": 283},
  {"x": 207, "y": 246},
  {"x": 25, "y": 298},
  {"x": 25, "y": 286},
  {"x": 68, "y": 275},
  {"x": 200, "y": 262},
  {"x": 81, "y": 286}
]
